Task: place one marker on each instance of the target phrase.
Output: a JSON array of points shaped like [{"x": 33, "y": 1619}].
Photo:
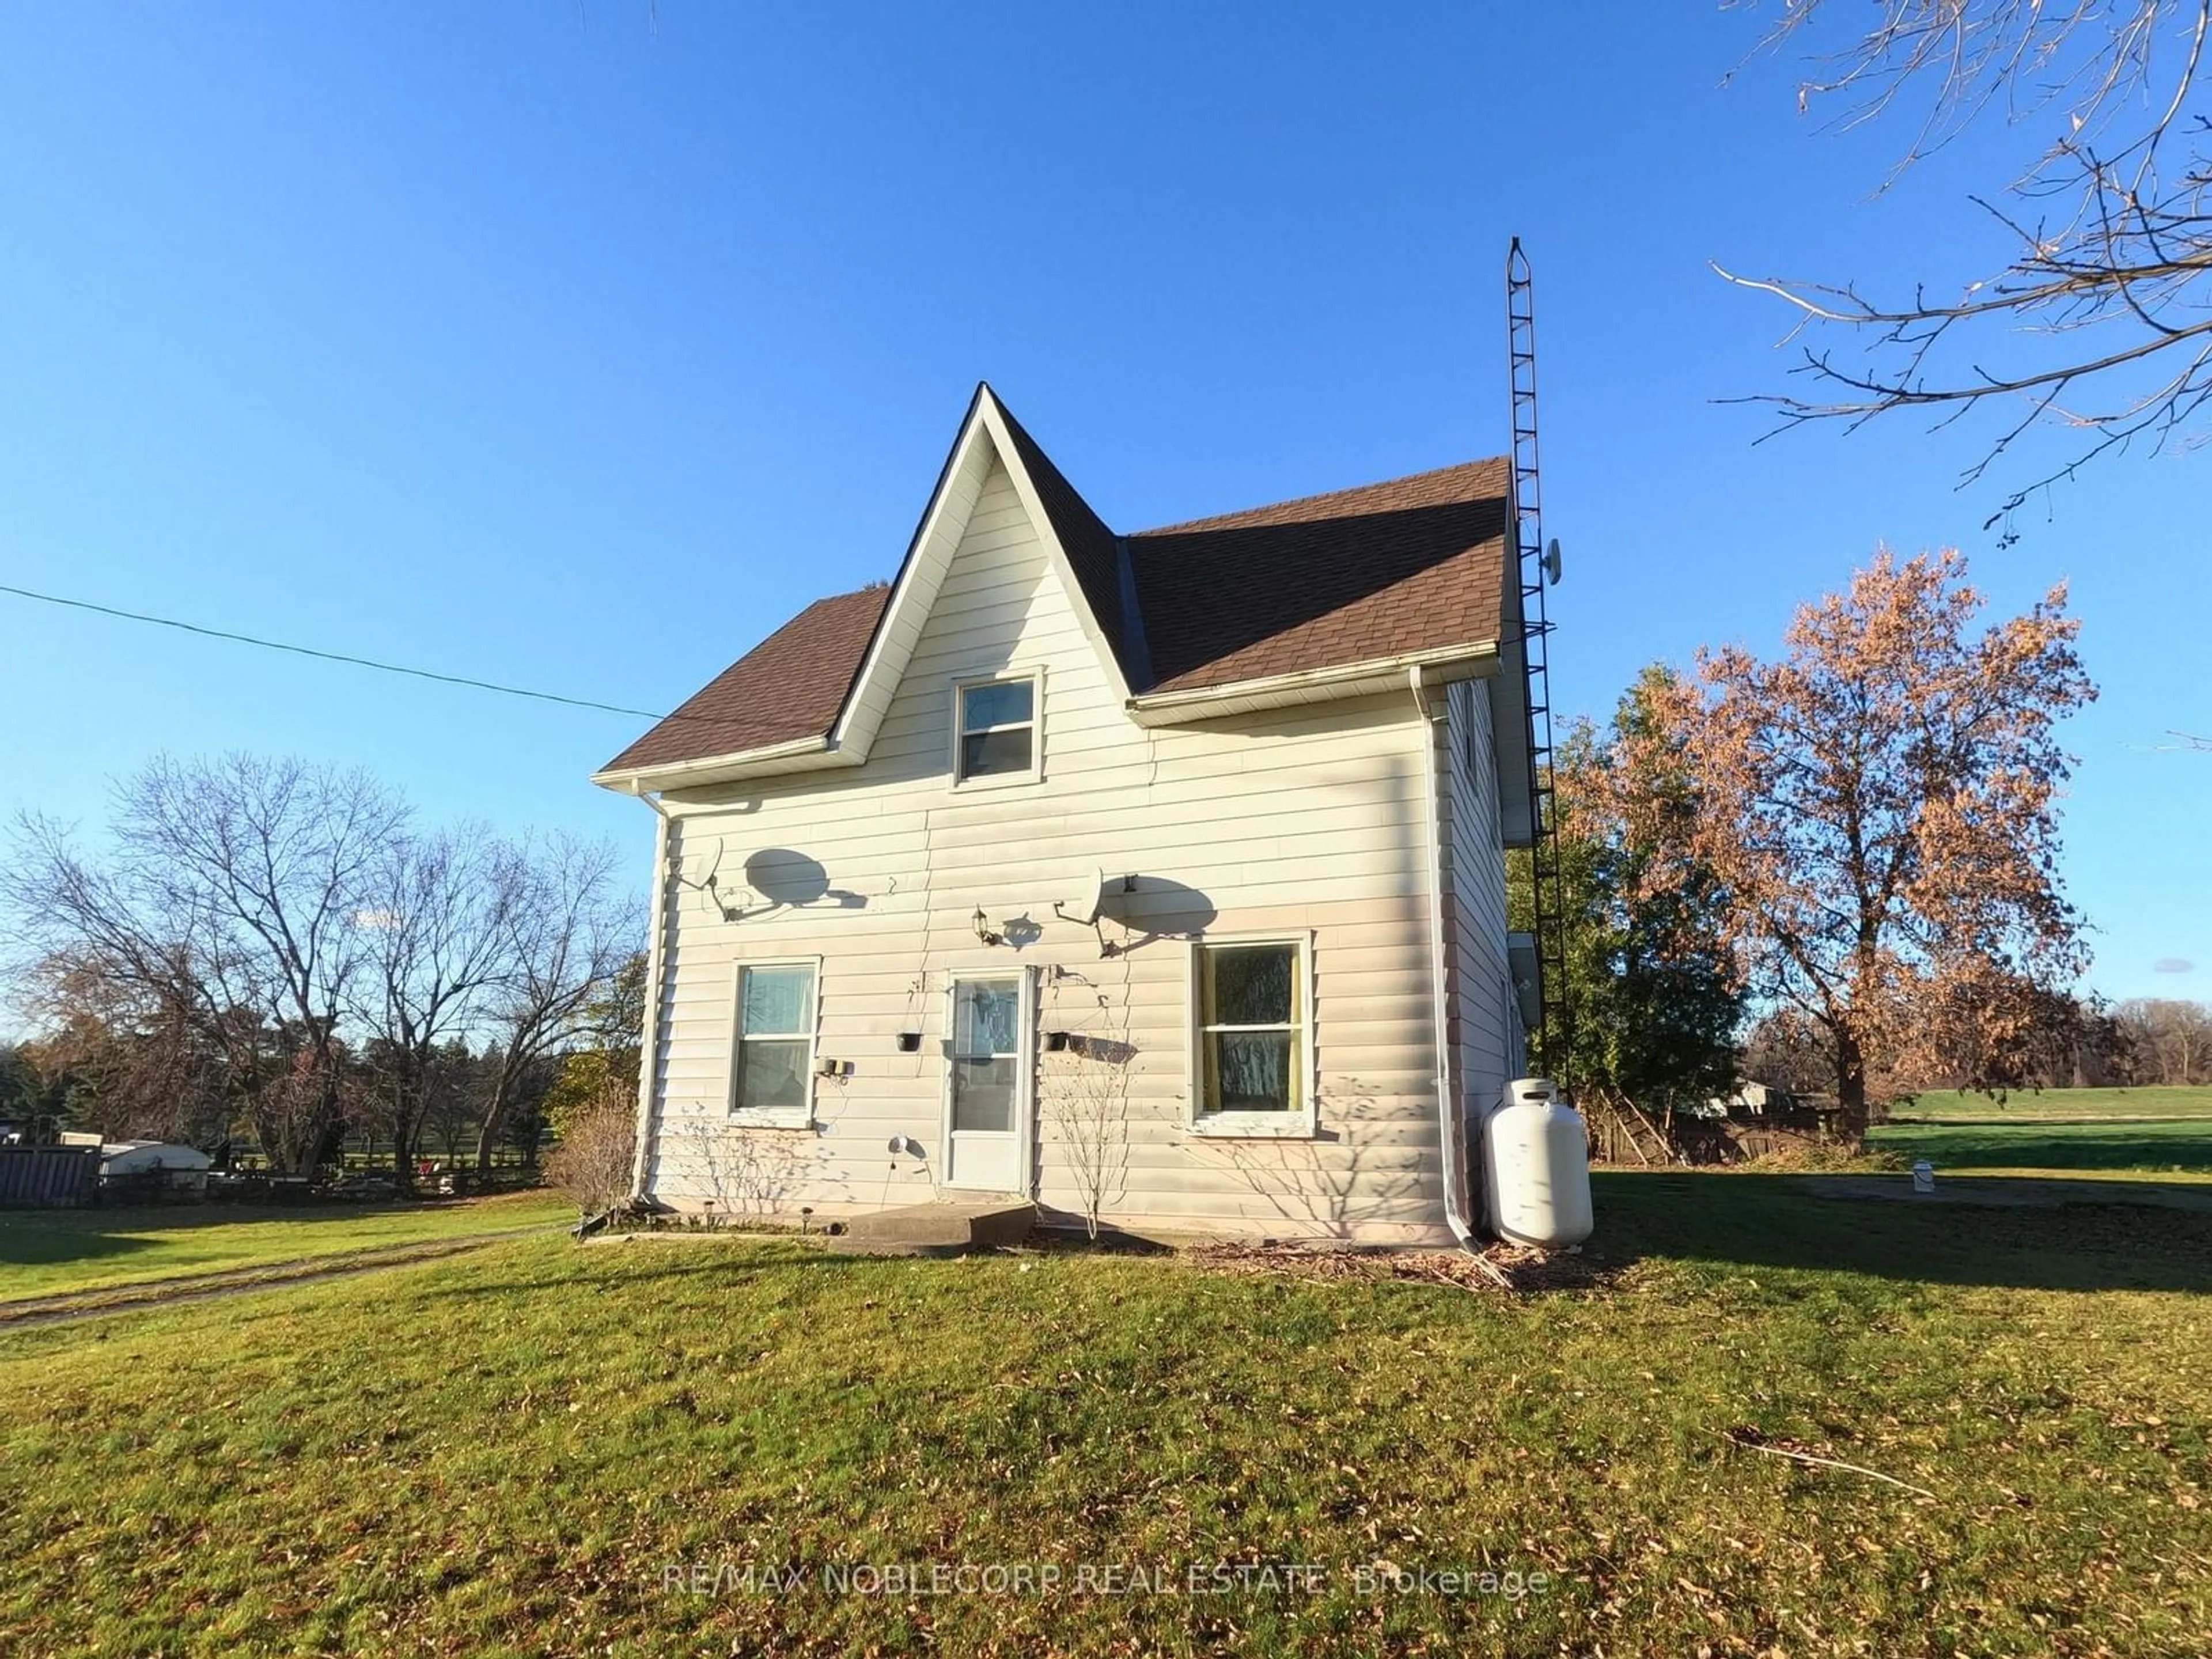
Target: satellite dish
[
  {"x": 1089, "y": 898},
  {"x": 1552, "y": 562}
]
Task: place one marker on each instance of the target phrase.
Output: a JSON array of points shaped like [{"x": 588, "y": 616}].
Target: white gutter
[
  {"x": 648, "y": 1053},
  {"x": 1392, "y": 669},
  {"x": 711, "y": 768},
  {"x": 1451, "y": 1127},
  {"x": 1474, "y": 661}
]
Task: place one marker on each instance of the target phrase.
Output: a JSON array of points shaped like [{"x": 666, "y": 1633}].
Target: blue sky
[{"x": 538, "y": 343}]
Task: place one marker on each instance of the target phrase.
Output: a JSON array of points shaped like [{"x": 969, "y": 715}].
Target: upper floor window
[{"x": 996, "y": 733}]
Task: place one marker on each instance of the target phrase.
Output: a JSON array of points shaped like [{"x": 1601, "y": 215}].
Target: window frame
[
  {"x": 800, "y": 1117},
  {"x": 1303, "y": 1120},
  {"x": 1011, "y": 674}
]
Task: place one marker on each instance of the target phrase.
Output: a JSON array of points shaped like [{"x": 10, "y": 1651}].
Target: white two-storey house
[{"x": 1159, "y": 878}]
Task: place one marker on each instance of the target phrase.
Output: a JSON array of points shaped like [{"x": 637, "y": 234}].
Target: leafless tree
[
  {"x": 746, "y": 1171},
  {"x": 129, "y": 1060},
  {"x": 434, "y": 914},
  {"x": 561, "y": 941},
  {"x": 2171, "y": 1040},
  {"x": 450, "y": 1115},
  {"x": 227, "y": 900},
  {"x": 592, "y": 1163},
  {"x": 261, "y": 932},
  {"x": 1786, "y": 1050},
  {"x": 1084, "y": 1088},
  {"x": 2097, "y": 319}
]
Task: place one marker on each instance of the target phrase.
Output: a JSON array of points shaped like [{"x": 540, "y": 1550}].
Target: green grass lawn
[
  {"x": 533, "y": 1449},
  {"x": 2185, "y": 1146},
  {"x": 49, "y": 1252},
  {"x": 2062, "y": 1102},
  {"x": 2089, "y": 1131}
]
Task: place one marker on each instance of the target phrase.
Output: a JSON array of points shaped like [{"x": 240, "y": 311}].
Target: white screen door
[{"x": 987, "y": 1105}]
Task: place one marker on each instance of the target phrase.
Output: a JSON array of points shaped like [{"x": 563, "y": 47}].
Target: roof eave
[
  {"x": 1376, "y": 675},
  {"x": 799, "y": 754}
]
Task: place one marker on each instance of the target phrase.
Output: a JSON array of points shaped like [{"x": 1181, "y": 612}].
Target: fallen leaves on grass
[{"x": 1513, "y": 1267}]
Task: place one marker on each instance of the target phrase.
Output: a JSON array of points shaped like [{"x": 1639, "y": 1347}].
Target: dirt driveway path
[{"x": 67, "y": 1307}]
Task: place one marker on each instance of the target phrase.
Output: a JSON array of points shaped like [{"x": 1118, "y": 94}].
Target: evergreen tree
[{"x": 1655, "y": 998}]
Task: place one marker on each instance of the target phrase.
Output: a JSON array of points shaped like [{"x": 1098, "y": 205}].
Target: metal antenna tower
[{"x": 1558, "y": 1027}]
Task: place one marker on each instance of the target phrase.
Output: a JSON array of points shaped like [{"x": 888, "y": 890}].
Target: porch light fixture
[{"x": 983, "y": 927}]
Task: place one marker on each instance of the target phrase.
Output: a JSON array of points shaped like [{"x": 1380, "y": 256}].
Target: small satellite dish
[
  {"x": 1552, "y": 562},
  {"x": 1084, "y": 907}
]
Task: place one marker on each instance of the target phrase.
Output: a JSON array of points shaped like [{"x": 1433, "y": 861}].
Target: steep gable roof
[
  {"x": 1093, "y": 550},
  {"x": 1413, "y": 567}
]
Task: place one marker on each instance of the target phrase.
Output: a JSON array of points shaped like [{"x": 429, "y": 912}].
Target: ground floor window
[
  {"x": 774, "y": 1072},
  {"x": 1255, "y": 1042}
]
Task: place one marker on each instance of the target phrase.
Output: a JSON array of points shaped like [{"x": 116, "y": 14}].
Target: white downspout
[
  {"x": 1451, "y": 1131},
  {"x": 648, "y": 1055}
]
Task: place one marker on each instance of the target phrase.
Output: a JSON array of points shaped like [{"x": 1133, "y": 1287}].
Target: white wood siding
[
  {"x": 1302, "y": 821},
  {"x": 1487, "y": 1038}
]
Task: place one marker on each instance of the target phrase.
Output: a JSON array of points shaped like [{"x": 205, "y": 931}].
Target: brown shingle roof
[
  {"x": 1412, "y": 564},
  {"x": 1091, "y": 547},
  {"x": 791, "y": 685}
]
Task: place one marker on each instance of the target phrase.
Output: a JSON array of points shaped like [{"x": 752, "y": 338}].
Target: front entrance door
[{"x": 988, "y": 1107}]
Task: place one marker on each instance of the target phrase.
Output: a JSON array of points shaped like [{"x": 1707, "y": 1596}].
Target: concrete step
[{"x": 946, "y": 1229}]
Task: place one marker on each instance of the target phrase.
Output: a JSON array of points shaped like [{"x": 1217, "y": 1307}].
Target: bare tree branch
[
  {"x": 433, "y": 914},
  {"x": 228, "y": 902},
  {"x": 562, "y": 942},
  {"x": 2113, "y": 241}
]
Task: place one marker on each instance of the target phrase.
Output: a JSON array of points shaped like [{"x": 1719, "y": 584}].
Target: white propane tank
[{"x": 1535, "y": 1167}]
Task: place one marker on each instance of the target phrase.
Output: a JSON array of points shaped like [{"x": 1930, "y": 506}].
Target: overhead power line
[{"x": 346, "y": 657}]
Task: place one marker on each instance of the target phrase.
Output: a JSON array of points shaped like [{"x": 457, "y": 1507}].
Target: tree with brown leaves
[{"x": 1881, "y": 805}]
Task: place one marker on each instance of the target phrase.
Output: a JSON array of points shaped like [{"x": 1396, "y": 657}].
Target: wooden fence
[{"x": 49, "y": 1176}]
